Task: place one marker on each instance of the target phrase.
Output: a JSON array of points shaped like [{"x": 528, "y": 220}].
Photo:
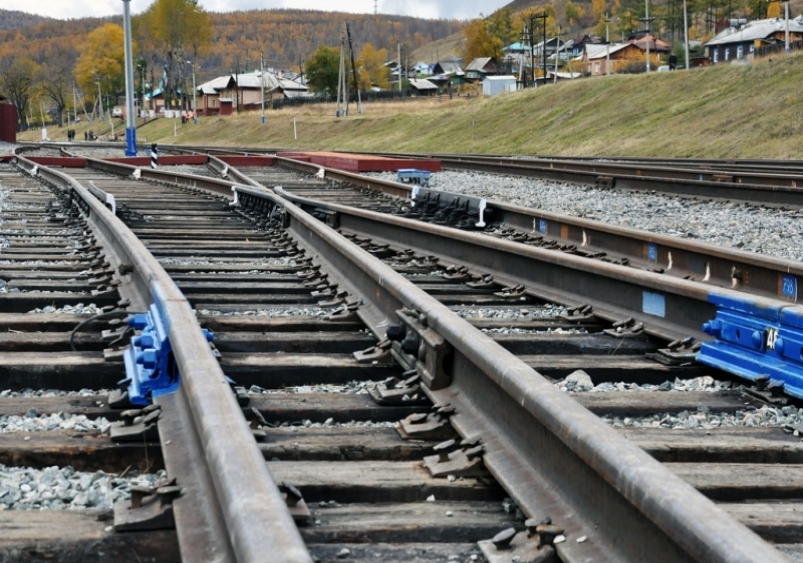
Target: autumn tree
[
  {"x": 17, "y": 83},
  {"x": 573, "y": 13},
  {"x": 322, "y": 69},
  {"x": 500, "y": 24},
  {"x": 55, "y": 82},
  {"x": 480, "y": 42},
  {"x": 176, "y": 29},
  {"x": 101, "y": 60},
  {"x": 774, "y": 10},
  {"x": 373, "y": 70}
]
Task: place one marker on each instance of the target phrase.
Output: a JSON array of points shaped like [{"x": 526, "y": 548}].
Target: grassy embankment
[{"x": 751, "y": 111}]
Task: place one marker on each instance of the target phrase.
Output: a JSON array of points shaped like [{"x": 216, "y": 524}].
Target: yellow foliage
[
  {"x": 480, "y": 43},
  {"x": 373, "y": 66},
  {"x": 774, "y": 10},
  {"x": 102, "y": 58}
]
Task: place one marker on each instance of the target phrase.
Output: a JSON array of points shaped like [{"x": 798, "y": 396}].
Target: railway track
[{"x": 264, "y": 274}]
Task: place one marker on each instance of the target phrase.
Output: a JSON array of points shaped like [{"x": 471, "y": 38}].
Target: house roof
[
  {"x": 594, "y": 51},
  {"x": 655, "y": 44},
  {"x": 505, "y": 78},
  {"x": 422, "y": 84},
  {"x": 450, "y": 67},
  {"x": 759, "y": 29},
  {"x": 272, "y": 81},
  {"x": 479, "y": 63}
]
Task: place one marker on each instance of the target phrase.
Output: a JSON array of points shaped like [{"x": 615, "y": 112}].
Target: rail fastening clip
[{"x": 150, "y": 366}]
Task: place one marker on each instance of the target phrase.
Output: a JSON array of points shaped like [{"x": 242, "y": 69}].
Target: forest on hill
[
  {"x": 13, "y": 19},
  {"x": 287, "y": 37}
]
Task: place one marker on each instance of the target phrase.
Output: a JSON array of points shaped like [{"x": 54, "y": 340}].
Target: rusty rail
[{"x": 230, "y": 508}]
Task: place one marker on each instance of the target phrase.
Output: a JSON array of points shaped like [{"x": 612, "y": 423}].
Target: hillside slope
[{"x": 724, "y": 111}]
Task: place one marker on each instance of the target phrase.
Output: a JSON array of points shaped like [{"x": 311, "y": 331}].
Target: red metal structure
[{"x": 8, "y": 121}]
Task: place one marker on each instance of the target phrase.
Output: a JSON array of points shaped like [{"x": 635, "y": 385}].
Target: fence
[
  {"x": 778, "y": 48},
  {"x": 364, "y": 96}
]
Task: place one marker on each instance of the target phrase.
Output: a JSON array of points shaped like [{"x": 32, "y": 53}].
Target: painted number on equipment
[
  {"x": 789, "y": 286},
  {"x": 770, "y": 338}
]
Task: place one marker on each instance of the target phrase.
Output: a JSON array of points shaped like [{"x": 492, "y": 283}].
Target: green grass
[{"x": 724, "y": 111}]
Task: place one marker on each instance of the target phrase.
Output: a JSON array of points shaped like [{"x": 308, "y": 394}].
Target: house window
[
  {"x": 752, "y": 47},
  {"x": 727, "y": 53},
  {"x": 596, "y": 68},
  {"x": 716, "y": 56},
  {"x": 740, "y": 51},
  {"x": 214, "y": 102}
]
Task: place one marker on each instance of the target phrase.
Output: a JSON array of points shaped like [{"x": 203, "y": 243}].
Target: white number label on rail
[{"x": 771, "y": 337}]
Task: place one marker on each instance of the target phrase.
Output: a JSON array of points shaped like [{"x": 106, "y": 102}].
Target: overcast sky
[{"x": 465, "y": 9}]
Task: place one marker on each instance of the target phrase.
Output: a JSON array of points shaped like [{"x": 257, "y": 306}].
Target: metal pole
[
  {"x": 261, "y": 81},
  {"x": 532, "y": 51},
  {"x": 100, "y": 99},
  {"x": 608, "y": 44},
  {"x": 398, "y": 48},
  {"x": 543, "y": 47},
  {"x": 194, "y": 98},
  {"x": 686, "y": 35},
  {"x": 557, "y": 56},
  {"x": 647, "y": 17},
  {"x": 74, "y": 108},
  {"x": 786, "y": 3},
  {"x": 130, "y": 118}
]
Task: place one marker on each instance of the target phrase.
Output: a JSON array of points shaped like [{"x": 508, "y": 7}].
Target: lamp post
[
  {"x": 130, "y": 118},
  {"x": 195, "y": 98}
]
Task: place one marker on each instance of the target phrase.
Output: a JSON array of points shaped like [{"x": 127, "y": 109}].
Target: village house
[
  {"x": 244, "y": 91},
  {"x": 734, "y": 44}
]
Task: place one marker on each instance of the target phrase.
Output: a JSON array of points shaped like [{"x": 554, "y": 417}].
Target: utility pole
[
  {"x": 354, "y": 70},
  {"x": 686, "y": 35},
  {"x": 261, "y": 81},
  {"x": 74, "y": 108},
  {"x": 342, "y": 82},
  {"x": 647, "y": 36},
  {"x": 398, "y": 48},
  {"x": 608, "y": 43},
  {"x": 557, "y": 55},
  {"x": 542, "y": 16},
  {"x": 786, "y": 4},
  {"x": 195, "y": 98},
  {"x": 100, "y": 98}
]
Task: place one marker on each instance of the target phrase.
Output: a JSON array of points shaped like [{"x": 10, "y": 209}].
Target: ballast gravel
[
  {"x": 34, "y": 422},
  {"x": 78, "y": 309},
  {"x": 776, "y": 232},
  {"x": 766, "y": 416},
  {"x": 49, "y": 393},
  {"x": 60, "y": 488}
]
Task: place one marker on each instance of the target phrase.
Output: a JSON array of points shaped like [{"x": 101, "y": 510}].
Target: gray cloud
[{"x": 417, "y": 8}]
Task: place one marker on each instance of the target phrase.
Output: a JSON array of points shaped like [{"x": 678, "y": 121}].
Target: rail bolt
[{"x": 502, "y": 540}]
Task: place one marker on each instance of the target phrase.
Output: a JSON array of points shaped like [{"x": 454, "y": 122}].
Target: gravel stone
[
  {"x": 766, "y": 416},
  {"x": 55, "y": 488},
  {"x": 34, "y": 422},
  {"x": 53, "y": 393},
  {"x": 704, "y": 383},
  {"x": 739, "y": 225}
]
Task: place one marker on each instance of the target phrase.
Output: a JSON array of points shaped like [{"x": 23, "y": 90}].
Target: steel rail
[
  {"x": 551, "y": 454},
  {"x": 713, "y": 266},
  {"x": 728, "y": 268},
  {"x": 230, "y": 508}
]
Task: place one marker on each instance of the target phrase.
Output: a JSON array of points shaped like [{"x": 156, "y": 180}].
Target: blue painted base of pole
[
  {"x": 263, "y": 119},
  {"x": 130, "y": 141}
]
